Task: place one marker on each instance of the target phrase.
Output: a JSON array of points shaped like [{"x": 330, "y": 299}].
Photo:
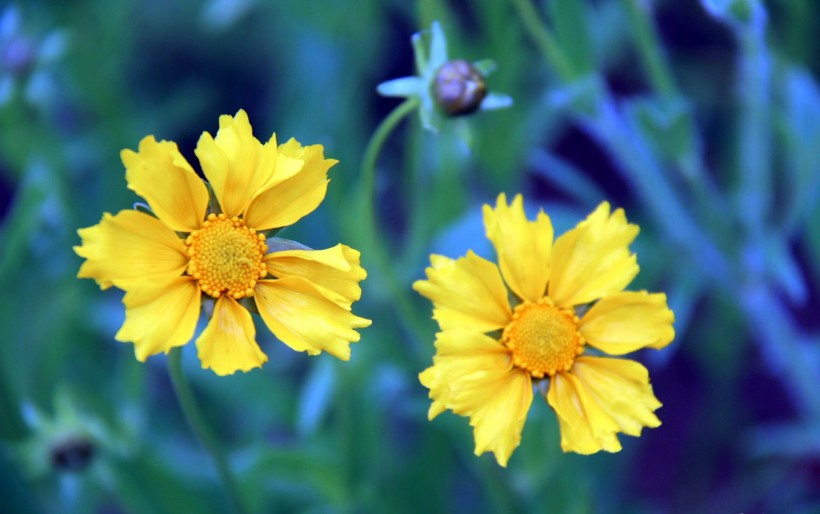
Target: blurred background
[{"x": 700, "y": 118}]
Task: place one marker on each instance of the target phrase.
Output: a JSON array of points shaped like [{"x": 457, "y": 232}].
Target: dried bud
[
  {"x": 459, "y": 88},
  {"x": 73, "y": 454}
]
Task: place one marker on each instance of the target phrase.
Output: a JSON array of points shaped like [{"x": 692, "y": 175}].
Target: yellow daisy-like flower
[
  {"x": 165, "y": 263},
  {"x": 490, "y": 352}
]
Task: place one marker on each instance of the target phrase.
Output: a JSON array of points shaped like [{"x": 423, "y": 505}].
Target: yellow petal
[
  {"x": 300, "y": 315},
  {"x": 336, "y": 272},
  {"x": 427, "y": 379},
  {"x": 228, "y": 343},
  {"x": 161, "y": 175},
  {"x": 585, "y": 428},
  {"x": 473, "y": 376},
  {"x": 497, "y": 403},
  {"x": 162, "y": 317},
  {"x": 236, "y": 164},
  {"x": 130, "y": 249},
  {"x": 621, "y": 388},
  {"x": 288, "y": 201},
  {"x": 523, "y": 247},
  {"x": 593, "y": 259},
  {"x": 459, "y": 354},
  {"x": 623, "y": 322},
  {"x": 466, "y": 293}
]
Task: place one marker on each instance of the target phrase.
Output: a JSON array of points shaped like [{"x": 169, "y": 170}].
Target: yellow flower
[
  {"x": 165, "y": 263},
  {"x": 491, "y": 352}
]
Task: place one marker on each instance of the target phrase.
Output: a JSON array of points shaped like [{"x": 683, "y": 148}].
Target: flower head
[
  {"x": 200, "y": 248},
  {"x": 444, "y": 87},
  {"x": 567, "y": 296}
]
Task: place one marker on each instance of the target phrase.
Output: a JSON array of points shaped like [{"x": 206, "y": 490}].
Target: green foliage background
[{"x": 701, "y": 119}]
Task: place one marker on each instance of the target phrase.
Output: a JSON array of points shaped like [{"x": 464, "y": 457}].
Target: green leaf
[
  {"x": 485, "y": 66},
  {"x": 580, "y": 95},
  {"x": 666, "y": 124},
  {"x": 783, "y": 268},
  {"x": 570, "y": 20},
  {"x": 801, "y": 130}
]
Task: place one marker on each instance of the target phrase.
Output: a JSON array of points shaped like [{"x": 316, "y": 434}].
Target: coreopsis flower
[
  {"x": 497, "y": 343},
  {"x": 444, "y": 87},
  {"x": 198, "y": 248}
]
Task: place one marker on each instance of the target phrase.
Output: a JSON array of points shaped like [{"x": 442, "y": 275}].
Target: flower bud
[
  {"x": 72, "y": 454},
  {"x": 459, "y": 88}
]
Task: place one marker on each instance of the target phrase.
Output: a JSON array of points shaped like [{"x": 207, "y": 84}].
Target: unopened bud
[
  {"x": 73, "y": 454},
  {"x": 459, "y": 88}
]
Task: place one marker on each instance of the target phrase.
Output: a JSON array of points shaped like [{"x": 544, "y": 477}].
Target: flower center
[
  {"x": 226, "y": 256},
  {"x": 544, "y": 339}
]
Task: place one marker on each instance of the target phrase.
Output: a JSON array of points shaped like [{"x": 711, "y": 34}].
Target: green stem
[
  {"x": 649, "y": 48},
  {"x": 374, "y": 146},
  {"x": 418, "y": 189},
  {"x": 197, "y": 424},
  {"x": 544, "y": 39},
  {"x": 377, "y": 250},
  {"x": 754, "y": 143}
]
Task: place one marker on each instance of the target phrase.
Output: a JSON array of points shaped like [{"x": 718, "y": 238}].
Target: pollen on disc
[
  {"x": 544, "y": 339},
  {"x": 226, "y": 257}
]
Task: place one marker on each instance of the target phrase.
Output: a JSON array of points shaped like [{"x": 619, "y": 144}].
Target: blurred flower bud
[
  {"x": 69, "y": 441},
  {"x": 459, "y": 88},
  {"x": 72, "y": 454}
]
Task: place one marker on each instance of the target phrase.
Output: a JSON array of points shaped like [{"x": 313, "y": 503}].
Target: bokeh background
[{"x": 700, "y": 118}]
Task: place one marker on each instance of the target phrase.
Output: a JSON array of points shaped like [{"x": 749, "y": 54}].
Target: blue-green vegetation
[{"x": 700, "y": 119}]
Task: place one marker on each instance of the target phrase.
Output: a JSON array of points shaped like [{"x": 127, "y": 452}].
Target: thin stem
[
  {"x": 649, "y": 49},
  {"x": 418, "y": 187},
  {"x": 754, "y": 144},
  {"x": 377, "y": 250},
  {"x": 197, "y": 424},
  {"x": 377, "y": 140},
  {"x": 543, "y": 39}
]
